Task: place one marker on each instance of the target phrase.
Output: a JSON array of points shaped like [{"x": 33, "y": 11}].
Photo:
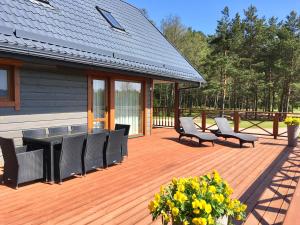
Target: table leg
[{"x": 51, "y": 163}]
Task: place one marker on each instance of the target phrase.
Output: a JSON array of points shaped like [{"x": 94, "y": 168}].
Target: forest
[{"x": 250, "y": 63}]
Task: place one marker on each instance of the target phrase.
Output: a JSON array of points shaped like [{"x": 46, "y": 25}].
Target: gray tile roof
[{"x": 73, "y": 30}]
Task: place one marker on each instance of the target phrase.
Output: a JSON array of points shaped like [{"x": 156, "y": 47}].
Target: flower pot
[
  {"x": 293, "y": 133},
  {"x": 222, "y": 221}
]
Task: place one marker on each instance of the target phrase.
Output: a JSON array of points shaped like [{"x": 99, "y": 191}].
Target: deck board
[{"x": 264, "y": 177}]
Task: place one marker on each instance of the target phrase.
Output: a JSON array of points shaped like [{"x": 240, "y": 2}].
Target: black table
[{"x": 47, "y": 142}]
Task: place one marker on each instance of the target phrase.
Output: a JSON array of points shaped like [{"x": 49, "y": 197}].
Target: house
[{"x": 81, "y": 62}]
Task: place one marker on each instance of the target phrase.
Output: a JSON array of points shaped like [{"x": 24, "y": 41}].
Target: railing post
[
  {"x": 203, "y": 116},
  {"x": 275, "y": 125},
  {"x": 176, "y": 107},
  {"x": 236, "y": 121}
]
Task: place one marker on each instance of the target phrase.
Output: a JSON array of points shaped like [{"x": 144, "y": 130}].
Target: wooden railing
[
  {"x": 242, "y": 121},
  {"x": 163, "y": 117}
]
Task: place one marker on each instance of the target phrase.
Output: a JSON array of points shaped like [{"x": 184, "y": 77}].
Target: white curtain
[{"x": 128, "y": 105}]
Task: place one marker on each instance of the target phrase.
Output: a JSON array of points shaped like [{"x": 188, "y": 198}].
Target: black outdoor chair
[
  {"x": 79, "y": 128},
  {"x": 68, "y": 159},
  {"x": 113, "y": 152},
  {"x": 34, "y": 133},
  {"x": 225, "y": 131},
  {"x": 58, "y": 130},
  {"x": 21, "y": 166},
  {"x": 92, "y": 157},
  {"x": 125, "y": 139},
  {"x": 188, "y": 129}
]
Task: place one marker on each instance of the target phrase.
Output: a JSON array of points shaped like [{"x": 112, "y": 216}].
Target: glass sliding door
[
  {"x": 99, "y": 104},
  {"x": 129, "y": 105}
]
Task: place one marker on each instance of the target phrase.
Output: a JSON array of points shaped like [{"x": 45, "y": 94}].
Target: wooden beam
[
  {"x": 145, "y": 109},
  {"x": 90, "y": 102},
  {"x": 176, "y": 107},
  {"x": 151, "y": 104},
  {"x": 17, "y": 87},
  {"x": 275, "y": 125},
  {"x": 111, "y": 103},
  {"x": 236, "y": 121},
  {"x": 203, "y": 118}
]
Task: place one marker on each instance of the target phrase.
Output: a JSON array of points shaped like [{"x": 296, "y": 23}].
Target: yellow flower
[
  {"x": 174, "y": 180},
  {"x": 196, "y": 204},
  {"x": 212, "y": 189},
  {"x": 170, "y": 203},
  {"x": 180, "y": 197},
  {"x": 202, "y": 204},
  {"x": 217, "y": 177},
  {"x": 162, "y": 190},
  {"x": 195, "y": 185},
  {"x": 153, "y": 206},
  {"x": 186, "y": 223},
  {"x": 204, "y": 183},
  {"x": 208, "y": 208},
  {"x": 194, "y": 196},
  {"x": 243, "y": 207},
  {"x": 175, "y": 211},
  {"x": 238, "y": 217},
  {"x": 210, "y": 220},
  {"x": 166, "y": 217},
  {"x": 196, "y": 211},
  {"x": 181, "y": 188},
  {"x": 157, "y": 197}
]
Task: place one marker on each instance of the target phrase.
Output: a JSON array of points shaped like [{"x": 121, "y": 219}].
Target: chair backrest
[
  {"x": 58, "y": 130},
  {"x": 123, "y": 126},
  {"x": 114, "y": 141},
  {"x": 34, "y": 132},
  {"x": 79, "y": 128},
  {"x": 9, "y": 152},
  {"x": 95, "y": 143},
  {"x": 187, "y": 123},
  {"x": 223, "y": 125},
  {"x": 71, "y": 150}
]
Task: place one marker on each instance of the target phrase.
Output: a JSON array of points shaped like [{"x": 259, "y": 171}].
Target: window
[
  {"x": 4, "y": 84},
  {"x": 44, "y": 1},
  {"x": 128, "y": 105},
  {"x": 9, "y": 83},
  {"x": 110, "y": 19}
]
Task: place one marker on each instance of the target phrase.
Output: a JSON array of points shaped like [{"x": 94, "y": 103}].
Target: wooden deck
[{"x": 264, "y": 177}]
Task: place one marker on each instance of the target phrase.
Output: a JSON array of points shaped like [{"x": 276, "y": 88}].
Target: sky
[{"x": 202, "y": 15}]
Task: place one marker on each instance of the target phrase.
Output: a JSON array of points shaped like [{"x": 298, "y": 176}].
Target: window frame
[
  {"x": 118, "y": 27},
  {"x": 13, "y": 97},
  {"x": 9, "y": 82}
]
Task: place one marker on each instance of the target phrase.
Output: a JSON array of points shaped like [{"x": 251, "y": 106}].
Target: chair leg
[
  {"x": 213, "y": 143},
  {"x": 180, "y": 136},
  {"x": 241, "y": 144},
  {"x": 253, "y": 144}
]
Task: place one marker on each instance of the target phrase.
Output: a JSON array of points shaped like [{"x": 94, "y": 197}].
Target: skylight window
[{"x": 110, "y": 19}]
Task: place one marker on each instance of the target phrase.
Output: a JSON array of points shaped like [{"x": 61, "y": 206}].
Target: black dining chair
[
  {"x": 20, "y": 166},
  {"x": 125, "y": 138},
  {"x": 113, "y": 150},
  {"x": 79, "y": 128},
  {"x": 67, "y": 159},
  {"x": 92, "y": 157},
  {"x": 34, "y": 132},
  {"x": 58, "y": 130}
]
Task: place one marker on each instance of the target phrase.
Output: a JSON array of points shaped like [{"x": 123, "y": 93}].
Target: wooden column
[
  {"x": 203, "y": 117},
  {"x": 111, "y": 104},
  {"x": 176, "y": 107},
  {"x": 236, "y": 121},
  {"x": 151, "y": 104},
  {"x": 90, "y": 102},
  {"x": 275, "y": 125},
  {"x": 17, "y": 88}
]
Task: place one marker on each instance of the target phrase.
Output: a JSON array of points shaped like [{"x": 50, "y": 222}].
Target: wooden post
[
  {"x": 236, "y": 121},
  {"x": 90, "y": 102},
  {"x": 203, "y": 116},
  {"x": 275, "y": 125},
  {"x": 176, "y": 107}
]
